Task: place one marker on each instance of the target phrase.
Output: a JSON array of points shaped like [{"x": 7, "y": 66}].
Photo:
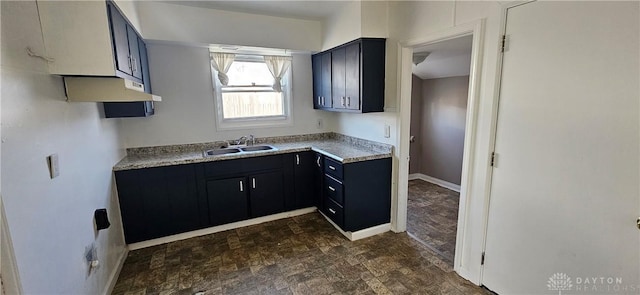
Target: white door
[{"x": 565, "y": 190}]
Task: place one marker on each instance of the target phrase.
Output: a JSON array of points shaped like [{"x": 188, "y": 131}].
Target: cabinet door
[
  {"x": 120, "y": 40},
  {"x": 338, "y": 77},
  {"x": 352, "y": 76},
  {"x": 158, "y": 202},
  {"x": 266, "y": 195},
  {"x": 304, "y": 180},
  {"x": 326, "y": 80},
  {"x": 227, "y": 200},
  {"x": 316, "y": 66},
  {"x": 318, "y": 180},
  {"x": 134, "y": 52},
  {"x": 144, "y": 65}
]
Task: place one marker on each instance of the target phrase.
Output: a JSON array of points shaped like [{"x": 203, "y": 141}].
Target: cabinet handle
[
  {"x": 332, "y": 168},
  {"x": 343, "y": 101},
  {"x": 318, "y": 161},
  {"x": 253, "y": 182},
  {"x": 241, "y": 187},
  {"x": 297, "y": 160},
  {"x": 348, "y": 101},
  {"x": 332, "y": 189},
  {"x": 323, "y": 101},
  {"x": 319, "y": 100},
  {"x": 134, "y": 67},
  {"x": 129, "y": 61},
  {"x": 332, "y": 211}
]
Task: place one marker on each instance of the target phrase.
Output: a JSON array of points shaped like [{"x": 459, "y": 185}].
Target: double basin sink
[{"x": 235, "y": 150}]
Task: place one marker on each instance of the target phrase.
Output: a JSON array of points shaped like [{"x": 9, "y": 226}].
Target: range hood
[{"x": 106, "y": 89}]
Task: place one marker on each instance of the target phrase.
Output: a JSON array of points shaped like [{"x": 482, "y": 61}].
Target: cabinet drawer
[
  {"x": 333, "y": 168},
  {"x": 242, "y": 166},
  {"x": 333, "y": 189},
  {"x": 334, "y": 211}
]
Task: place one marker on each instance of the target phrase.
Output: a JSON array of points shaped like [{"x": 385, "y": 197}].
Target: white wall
[
  {"x": 186, "y": 114},
  {"x": 170, "y": 22},
  {"x": 51, "y": 220}
]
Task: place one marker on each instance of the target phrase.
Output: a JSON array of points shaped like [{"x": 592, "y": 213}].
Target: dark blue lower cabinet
[
  {"x": 158, "y": 202},
  {"x": 228, "y": 200},
  {"x": 266, "y": 194},
  {"x": 241, "y": 189},
  {"x": 163, "y": 201},
  {"x": 357, "y": 195}
]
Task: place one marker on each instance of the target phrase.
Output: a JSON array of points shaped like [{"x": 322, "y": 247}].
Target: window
[{"x": 249, "y": 98}]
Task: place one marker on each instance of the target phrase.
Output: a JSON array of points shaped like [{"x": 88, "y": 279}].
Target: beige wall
[{"x": 444, "y": 107}]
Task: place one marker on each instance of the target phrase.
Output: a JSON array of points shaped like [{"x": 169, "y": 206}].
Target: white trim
[
  {"x": 363, "y": 233},
  {"x": 113, "y": 278},
  {"x": 436, "y": 181},
  {"x": 476, "y": 29},
  {"x": 219, "y": 228},
  {"x": 9, "y": 273},
  {"x": 256, "y": 122}
]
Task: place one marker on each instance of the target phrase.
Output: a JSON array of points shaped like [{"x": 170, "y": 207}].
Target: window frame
[{"x": 253, "y": 122}]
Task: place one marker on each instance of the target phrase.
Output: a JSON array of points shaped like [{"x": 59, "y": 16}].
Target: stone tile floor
[
  {"x": 298, "y": 255},
  {"x": 432, "y": 217}
]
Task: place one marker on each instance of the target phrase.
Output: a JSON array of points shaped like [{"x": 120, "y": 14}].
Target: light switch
[
  {"x": 387, "y": 131},
  {"x": 54, "y": 169}
]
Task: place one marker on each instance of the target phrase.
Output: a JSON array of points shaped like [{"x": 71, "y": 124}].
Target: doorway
[
  {"x": 463, "y": 257},
  {"x": 439, "y": 96}
]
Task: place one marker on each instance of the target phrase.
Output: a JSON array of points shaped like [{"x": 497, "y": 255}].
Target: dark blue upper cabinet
[
  {"x": 350, "y": 77},
  {"x": 130, "y": 54}
]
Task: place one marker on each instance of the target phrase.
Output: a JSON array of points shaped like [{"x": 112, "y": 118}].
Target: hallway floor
[
  {"x": 432, "y": 217},
  {"x": 298, "y": 255}
]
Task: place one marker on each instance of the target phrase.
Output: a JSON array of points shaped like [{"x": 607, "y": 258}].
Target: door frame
[{"x": 405, "y": 53}]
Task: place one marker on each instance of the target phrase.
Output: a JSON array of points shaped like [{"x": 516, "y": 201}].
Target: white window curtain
[
  {"x": 221, "y": 62},
  {"x": 278, "y": 66}
]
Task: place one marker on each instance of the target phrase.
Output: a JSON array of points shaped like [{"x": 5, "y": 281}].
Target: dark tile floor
[
  {"x": 298, "y": 255},
  {"x": 432, "y": 217}
]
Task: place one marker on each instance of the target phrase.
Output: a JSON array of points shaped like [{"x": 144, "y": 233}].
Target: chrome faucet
[
  {"x": 240, "y": 140},
  {"x": 247, "y": 140}
]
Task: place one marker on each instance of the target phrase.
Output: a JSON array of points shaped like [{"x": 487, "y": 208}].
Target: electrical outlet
[
  {"x": 54, "y": 168},
  {"x": 319, "y": 124}
]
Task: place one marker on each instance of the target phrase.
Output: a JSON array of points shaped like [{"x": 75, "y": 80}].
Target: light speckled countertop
[{"x": 340, "y": 147}]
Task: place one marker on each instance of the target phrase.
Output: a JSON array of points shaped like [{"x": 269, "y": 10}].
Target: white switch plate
[
  {"x": 54, "y": 169},
  {"x": 387, "y": 131},
  {"x": 319, "y": 124}
]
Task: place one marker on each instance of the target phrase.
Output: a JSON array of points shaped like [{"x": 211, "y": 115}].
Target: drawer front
[
  {"x": 333, "y": 189},
  {"x": 242, "y": 166},
  {"x": 334, "y": 211},
  {"x": 333, "y": 168}
]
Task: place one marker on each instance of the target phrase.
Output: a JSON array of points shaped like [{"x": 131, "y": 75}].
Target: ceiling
[
  {"x": 300, "y": 9},
  {"x": 449, "y": 58}
]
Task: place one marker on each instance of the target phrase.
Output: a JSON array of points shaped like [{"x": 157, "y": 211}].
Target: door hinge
[
  {"x": 493, "y": 159},
  {"x": 482, "y": 259},
  {"x": 505, "y": 46}
]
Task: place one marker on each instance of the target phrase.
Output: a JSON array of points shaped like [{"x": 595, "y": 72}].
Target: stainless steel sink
[
  {"x": 215, "y": 152},
  {"x": 255, "y": 148}
]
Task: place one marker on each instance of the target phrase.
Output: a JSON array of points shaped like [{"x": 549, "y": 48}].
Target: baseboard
[
  {"x": 440, "y": 182},
  {"x": 219, "y": 228},
  {"x": 113, "y": 278},
  {"x": 361, "y": 234}
]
